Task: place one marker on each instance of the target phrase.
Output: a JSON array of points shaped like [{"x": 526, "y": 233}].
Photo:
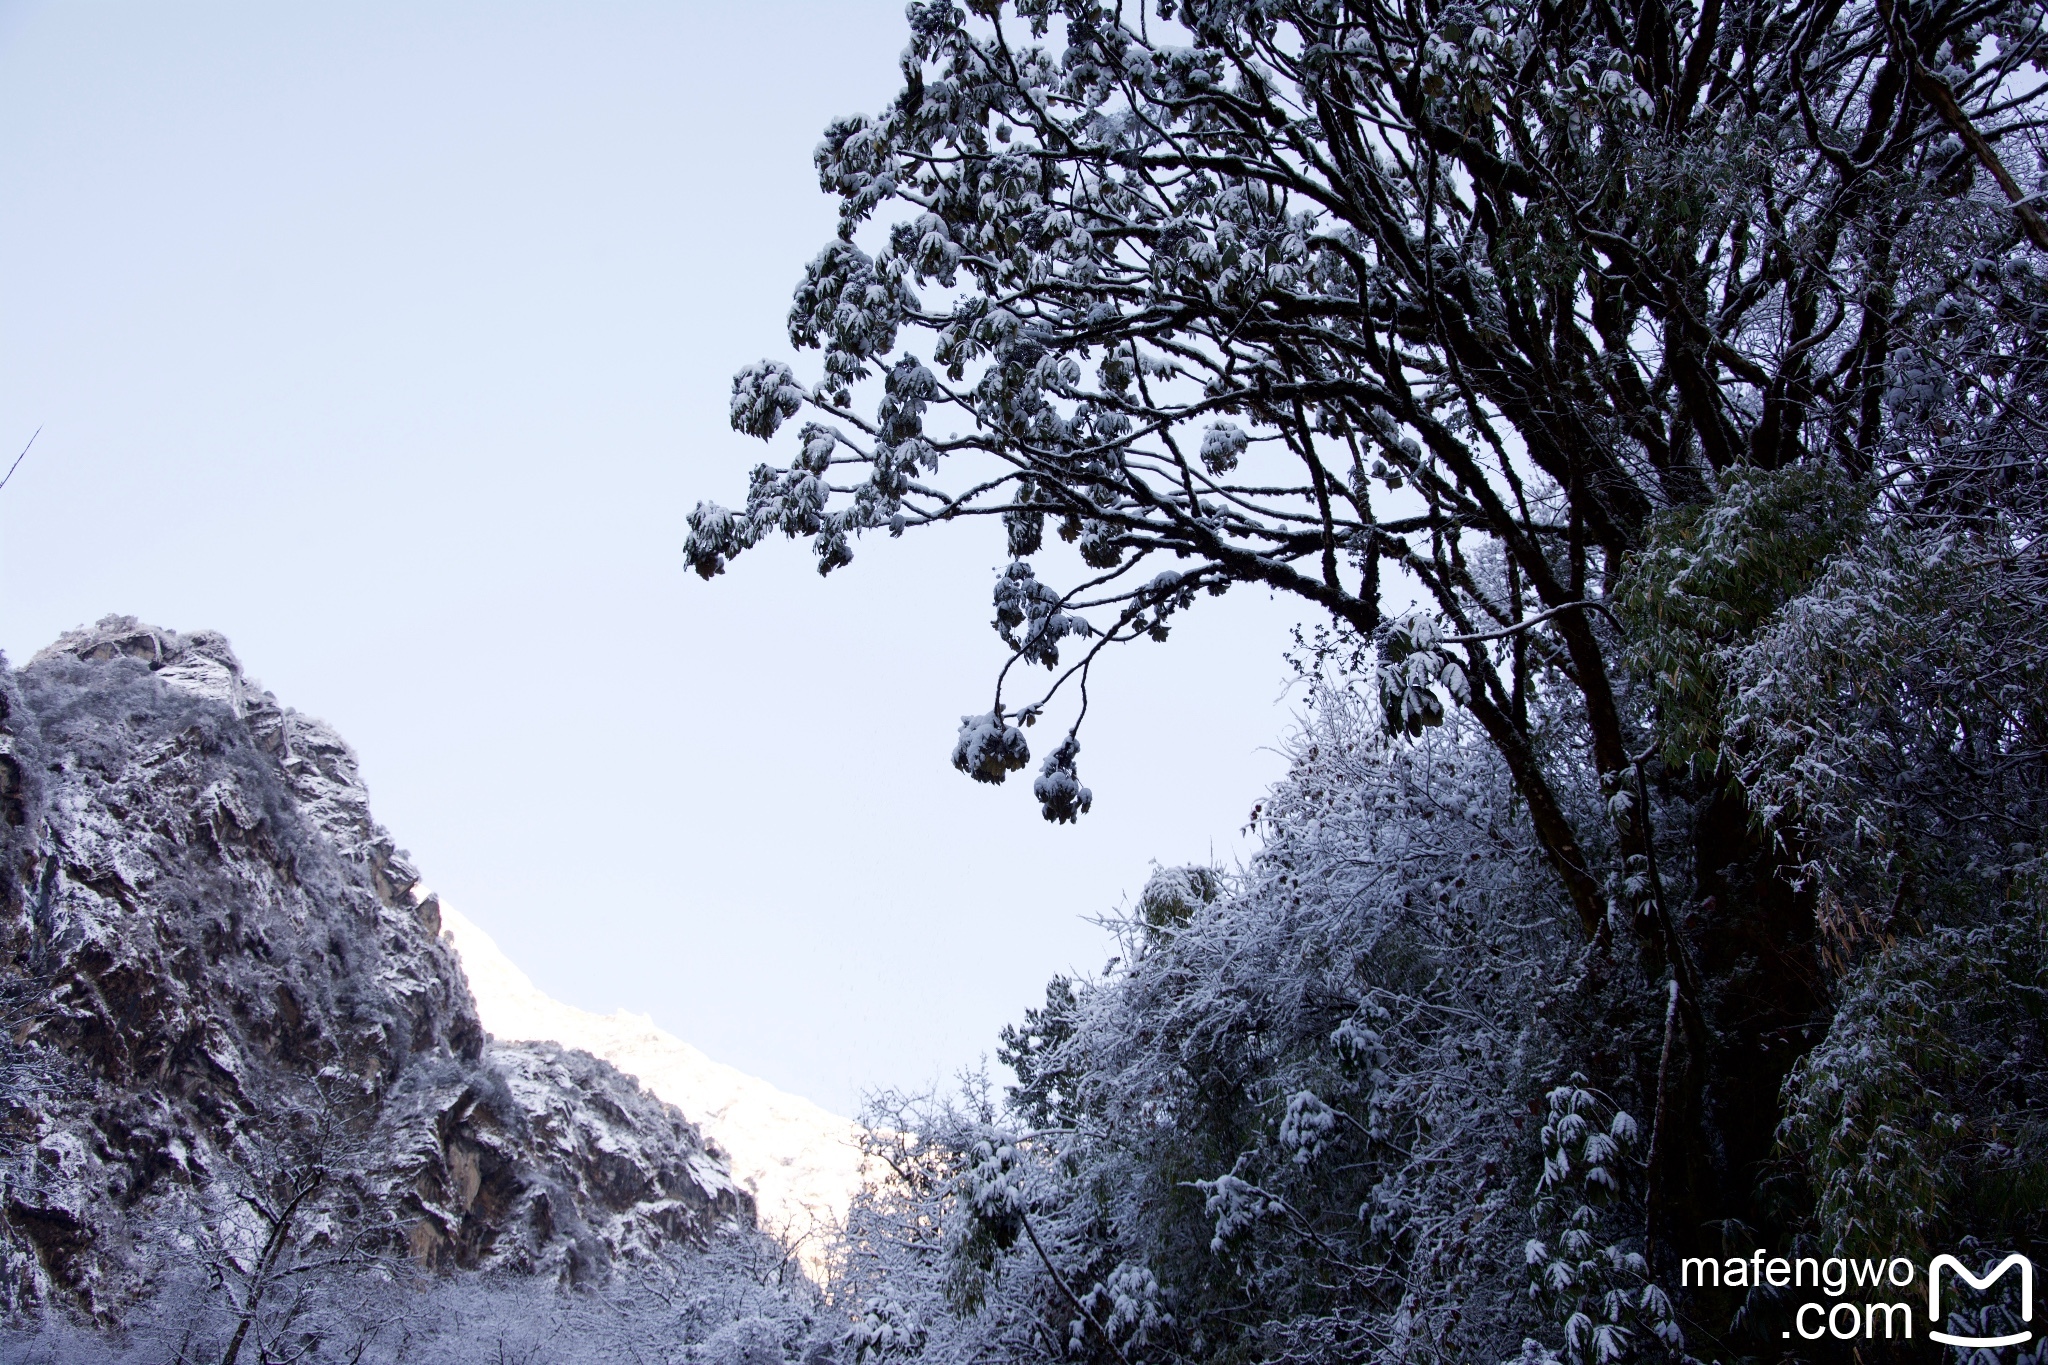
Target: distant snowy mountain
[{"x": 801, "y": 1162}]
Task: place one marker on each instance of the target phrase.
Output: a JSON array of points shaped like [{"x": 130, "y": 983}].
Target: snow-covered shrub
[
  {"x": 1301, "y": 1116},
  {"x": 728, "y": 1305}
]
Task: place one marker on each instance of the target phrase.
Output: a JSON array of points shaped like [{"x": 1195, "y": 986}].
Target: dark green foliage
[
  {"x": 1031, "y": 1049},
  {"x": 1921, "y": 1120},
  {"x": 1712, "y": 575}
]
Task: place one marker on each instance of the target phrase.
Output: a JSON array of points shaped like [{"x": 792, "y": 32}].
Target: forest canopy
[{"x": 1651, "y": 397}]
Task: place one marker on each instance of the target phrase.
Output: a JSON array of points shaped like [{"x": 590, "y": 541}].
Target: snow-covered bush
[
  {"x": 1301, "y": 1116},
  {"x": 729, "y": 1305}
]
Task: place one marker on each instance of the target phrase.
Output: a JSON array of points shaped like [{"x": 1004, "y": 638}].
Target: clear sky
[{"x": 394, "y": 341}]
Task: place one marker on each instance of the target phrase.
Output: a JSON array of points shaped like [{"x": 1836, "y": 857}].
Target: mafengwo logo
[
  {"x": 1845, "y": 1319},
  {"x": 2012, "y": 1262}
]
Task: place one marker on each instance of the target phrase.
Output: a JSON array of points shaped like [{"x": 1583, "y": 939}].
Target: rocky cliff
[{"x": 216, "y": 965}]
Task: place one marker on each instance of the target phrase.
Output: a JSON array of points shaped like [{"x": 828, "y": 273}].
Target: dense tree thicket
[
  {"x": 1304, "y": 1115},
  {"x": 1652, "y": 395}
]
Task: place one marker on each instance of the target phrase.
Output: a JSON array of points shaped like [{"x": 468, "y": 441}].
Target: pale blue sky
[{"x": 394, "y": 341}]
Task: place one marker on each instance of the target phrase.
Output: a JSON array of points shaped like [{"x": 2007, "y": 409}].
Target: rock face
[{"x": 214, "y": 954}]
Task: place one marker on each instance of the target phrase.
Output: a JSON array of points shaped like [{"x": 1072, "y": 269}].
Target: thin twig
[
  {"x": 19, "y": 458},
  {"x": 1527, "y": 622},
  {"x": 1660, "y": 1122}
]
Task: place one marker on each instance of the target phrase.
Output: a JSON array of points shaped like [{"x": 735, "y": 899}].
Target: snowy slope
[{"x": 801, "y": 1162}]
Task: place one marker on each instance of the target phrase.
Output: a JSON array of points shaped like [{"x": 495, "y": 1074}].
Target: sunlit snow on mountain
[{"x": 801, "y": 1162}]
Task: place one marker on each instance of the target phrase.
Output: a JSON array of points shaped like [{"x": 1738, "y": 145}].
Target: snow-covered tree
[
  {"x": 1553, "y": 350},
  {"x": 1323, "y": 295}
]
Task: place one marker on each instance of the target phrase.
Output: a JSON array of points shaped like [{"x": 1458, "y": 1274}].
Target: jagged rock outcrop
[{"x": 216, "y": 956}]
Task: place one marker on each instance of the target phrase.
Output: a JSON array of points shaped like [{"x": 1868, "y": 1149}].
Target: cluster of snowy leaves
[{"x": 1598, "y": 1288}]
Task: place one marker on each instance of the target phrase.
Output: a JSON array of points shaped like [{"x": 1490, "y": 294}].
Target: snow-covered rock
[
  {"x": 213, "y": 955},
  {"x": 801, "y": 1162}
]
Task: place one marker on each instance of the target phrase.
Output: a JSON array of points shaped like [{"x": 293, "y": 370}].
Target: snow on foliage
[
  {"x": 726, "y": 1306},
  {"x": 1059, "y": 788},
  {"x": 1294, "y": 1117},
  {"x": 764, "y": 396},
  {"x": 1299, "y": 293},
  {"x": 988, "y": 750}
]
